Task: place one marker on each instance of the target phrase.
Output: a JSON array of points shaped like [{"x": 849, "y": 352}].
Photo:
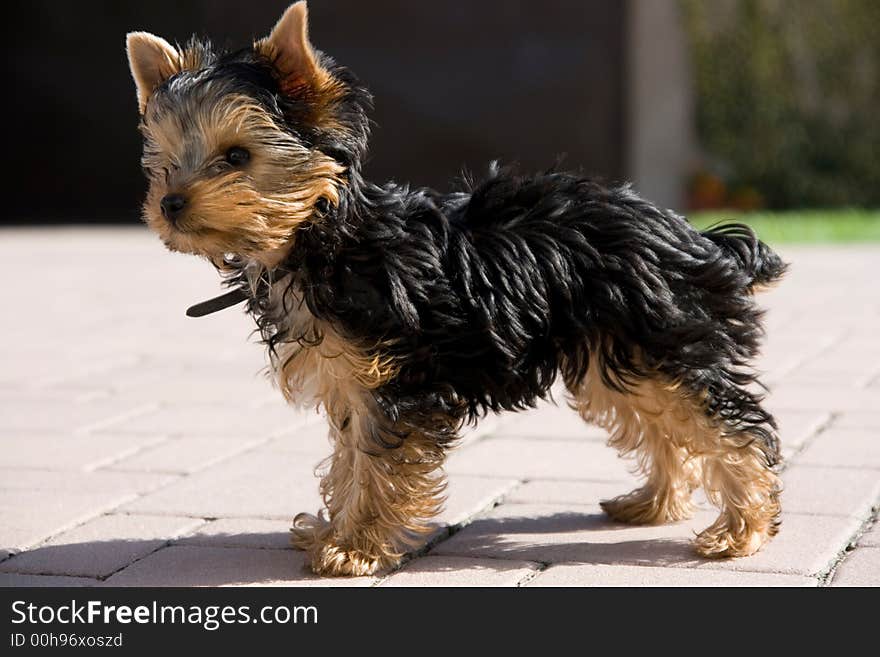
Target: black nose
[{"x": 172, "y": 206}]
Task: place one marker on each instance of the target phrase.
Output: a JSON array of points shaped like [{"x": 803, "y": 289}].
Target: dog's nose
[{"x": 172, "y": 206}]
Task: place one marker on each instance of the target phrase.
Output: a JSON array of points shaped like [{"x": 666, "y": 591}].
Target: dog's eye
[{"x": 237, "y": 156}]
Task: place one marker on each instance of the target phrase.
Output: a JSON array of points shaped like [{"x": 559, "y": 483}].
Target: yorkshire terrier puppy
[{"x": 406, "y": 313}]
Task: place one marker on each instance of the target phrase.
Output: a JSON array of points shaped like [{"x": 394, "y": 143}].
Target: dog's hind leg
[
  {"x": 720, "y": 438},
  {"x": 378, "y": 499},
  {"x": 739, "y": 475},
  {"x": 650, "y": 421}
]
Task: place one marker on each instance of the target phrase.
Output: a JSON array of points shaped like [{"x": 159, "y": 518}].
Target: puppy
[{"x": 406, "y": 313}]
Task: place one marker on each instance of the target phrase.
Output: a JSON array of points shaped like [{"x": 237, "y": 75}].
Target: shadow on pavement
[{"x": 263, "y": 558}]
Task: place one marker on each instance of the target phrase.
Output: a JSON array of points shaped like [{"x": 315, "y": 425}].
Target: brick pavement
[{"x": 140, "y": 447}]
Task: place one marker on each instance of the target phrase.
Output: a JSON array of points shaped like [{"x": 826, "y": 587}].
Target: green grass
[{"x": 803, "y": 227}]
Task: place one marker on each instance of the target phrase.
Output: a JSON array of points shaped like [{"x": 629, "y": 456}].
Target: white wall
[{"x": 661, "y": 144}]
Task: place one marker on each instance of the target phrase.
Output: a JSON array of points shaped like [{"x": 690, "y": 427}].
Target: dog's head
[{"x": 242, "y": 149}]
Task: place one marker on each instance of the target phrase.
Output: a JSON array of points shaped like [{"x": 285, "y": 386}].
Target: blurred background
[{"x": 718, "y": 105}]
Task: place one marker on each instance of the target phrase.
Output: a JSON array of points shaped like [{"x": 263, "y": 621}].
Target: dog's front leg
[{"x": 378, "y": 498}]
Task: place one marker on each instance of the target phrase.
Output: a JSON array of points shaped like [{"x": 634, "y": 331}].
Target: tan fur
[
  {"x": 152, "y": 61},
  {"x": 738, "y": 481},
  {"x": 252, "y": 212},
  {"x": 678, "y": 447},
  {"x": 376, "y": 498},
  {"x": 289, "y": 49},
  {"x": 323, "y": 368},
  {"x": 760, "y": 288}
]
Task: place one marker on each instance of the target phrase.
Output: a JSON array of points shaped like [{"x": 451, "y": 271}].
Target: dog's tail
[{"x": 760, "y": 263}]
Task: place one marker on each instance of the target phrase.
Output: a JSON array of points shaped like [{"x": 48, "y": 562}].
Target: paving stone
[
  {"x": 601, "y": 575},
  {"x": 829, "y": 375},
  {"x": 31, "y": 416},
  {"x": 241, "y": 532},
  {"x": 847, "y": 360},
  {"x": 70, "y": 451},
  {"x": 576, "y": 493},
  {"x": 853, "y": 352},
  {"x": 853, "y": 448},
  {"x": 796, "y": 427},
  {"x": 312, "y": 439},
  {"x": 220, "y": 353},
  {"x": 257, "y": 484},
  {"x": 837, "y": 399},
  {"x": 28, "y": 517},
  {"x": 190, "y": 565},
  {"x": 868, "y": 419},
  {"x": 557, "y": 533},
  {"x": 98, "y": 481},
  {"x": 16, "y": 580},
  {"x": 549, "y": 421},
  {"x": 559, "y": 459},
  {"x": 179, "y": 382},
  {"x": 185, "y": 455},
  {"x": 76, "y": 360},
  {"x": 100, "y": 547},
  {"x": 872, "y": 536},
  {"x": 36, "y": 361},
  {"x": 783, "y": 352},
  {"x": 24, "y": 392},
  {"x": 171, "y": 388},
  {"x": 806, "y": 544},
  {"x": 861, "y": 568},
  {"x": 488, "y": 426},
  {"x": 467, "y": 495},
  {"x": 460, "y": 571},
  {"x": 229, "y": 419},
  {"x": 830, "y": 491}
]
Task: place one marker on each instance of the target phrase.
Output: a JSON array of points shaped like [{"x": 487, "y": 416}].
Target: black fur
[
  {"x": 484, "y": 295},
  {"x": 247, "y": 72}
]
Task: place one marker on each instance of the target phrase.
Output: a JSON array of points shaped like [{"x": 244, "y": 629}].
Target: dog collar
[
  {"x": 217, "y": 303},
  {"x": 227, "y": 300}
]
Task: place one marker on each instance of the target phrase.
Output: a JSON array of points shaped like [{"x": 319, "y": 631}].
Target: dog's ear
[
  {"x": 289, "y": 50},
  {"x": 152, "y": 60}
]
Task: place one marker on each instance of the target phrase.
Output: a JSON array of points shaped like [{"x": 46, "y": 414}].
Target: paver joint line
[{"x": 826, "y": 578}]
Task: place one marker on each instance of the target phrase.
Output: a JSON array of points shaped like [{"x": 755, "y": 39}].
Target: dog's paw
[
  {"x": 719, "y": 542},
  {"x": 644, "y": 507},
  {"x": 336, "y": 561},
  {"x": 314, "y": 534}
]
